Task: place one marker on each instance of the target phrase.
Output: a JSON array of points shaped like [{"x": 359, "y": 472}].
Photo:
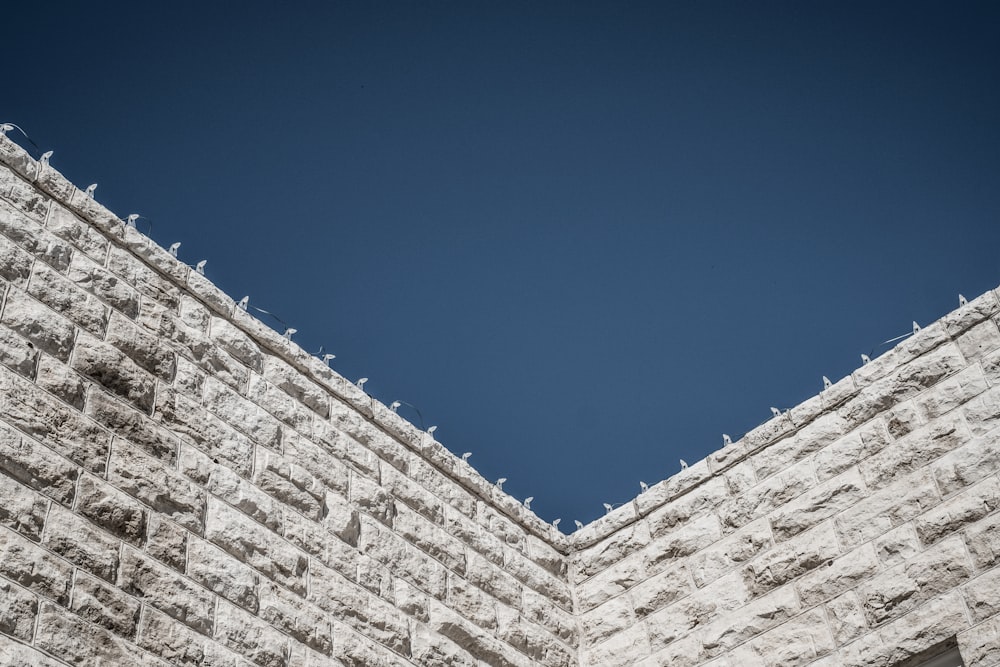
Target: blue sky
[{"x": 585, "y": 239}]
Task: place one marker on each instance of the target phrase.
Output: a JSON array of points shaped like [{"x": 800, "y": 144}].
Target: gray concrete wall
[{"x": 181, "y": 485}]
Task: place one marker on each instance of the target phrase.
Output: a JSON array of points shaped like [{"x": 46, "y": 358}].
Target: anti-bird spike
[
  {"x": 684, "y": 464},
  {"x": 44, "y": 160},
  {"x": 431, "y": 430},
  {"x": 243, "y": 303},
  {"x": 579, "y": 526},
  {"x": 916, "y": 328},
  {"x": 5, "y": 128},
  {"x": 962, "y": 300},
  {"x": 500, "y": 483},
  {"x": 643, "y": 487},
  {"x": 174, "y": 247},
  {"x": 607, "y": 508},
  {"x": 394, "y": 405},
  {"x": 289, "y": 332},
  {"x": 328, "y": 357},
  {"x": 465, "y": 457},
  {"x": 775, "y": 412},
  {"x": 527, "y": 502},
  {"x": 726, "y": 440},
  {"x": 130, "y": 220},
  {"x": 200, "y": 266},
  {"x": 90, "y": 190},
  {"x": 826, "y": 382},
  {"x": 865, "y": 360},
  {"x": 361, "y": 384},
  {"x": 555, "y": 524}
]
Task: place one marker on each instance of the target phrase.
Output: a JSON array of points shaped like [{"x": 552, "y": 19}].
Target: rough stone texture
[{"x": 181, "y": 485}]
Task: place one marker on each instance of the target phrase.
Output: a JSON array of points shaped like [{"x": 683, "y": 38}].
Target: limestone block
[
  {"x": 611, "y": 582},
  {"x": 791, "y": 559},
  {"x": 382, "y": 445},
  {"x": 242, "y": 413},
  {"x": 67, "y": 226},
  {"x": 104, "y": 284},
  {"x": 59, "y": 380},
  {"x": 683, "y": 541},
  {"x": 810, "y": 438},
  {"x": 355, "y": 650},
  {"x": 672, "y": 487},
  {"x": 930, "y": 624},
  {"x": 96, "y": 214},
  {"x": 905, "y": 418},
  {"x": 13, "y": 654},
  {"x": 890, "y": 507},
  {"x": 35, "y": 413},
  {"x": 36, "y": 240},
  {"x": 48, "y": 330},
  {"x": 897, "y": 545},
  {"x": 770, "y": 494},
  {"x": 107, "y": 366},
  {"x": 302, "y": 621},
  {"x": 158, "y": 486},
  {"x": 749, "y": 621},
  {"x": 715, "y": 560},
  {"x": 402, "y": 488},
  {"x": 307, "y": 466},
  {"x": 602, "y": 555},
  {"x": 54, "y": 183},
  {"x": 15, "y": 263},
  {"x": 217, "y": 439},
  {"x": 256, "y": 546},
  {"x": 37, "y": 466},
  {"x": 847, "y": 618},
  {"x": 983, "y": 539},
  {"x": 25, "y": 198},
  {"x": 147, "y": 281},
  {"x": 620, "y": 650},
  {"x": 739, "y": 478},
  {"x": 81, "y": 543},
  {"x": 983, "y": 412},
  {"x": 429, "y": 538},
  {"x": 296, "y": 385},
  {"x": 497, "y": 583},
  {"x": 536, "y": 577},
  {"x": 209, "y": 294},
  {"x": 167, "y": 542},
  {"x": 660, "y": 590},
  {"x": 21, "y": 509},
  {"x": 237, "y": 343},
  {"x": 966, "y": 316},
  {"x": 931, "y": 337},
  {"x": 717, "y": 600},
  {"x": 411, "y": 601},
  {"x": 472, "y": 603},
  {"x": 428, "y": 648},
  {"x": 189, "y": 379},
  {"x": 280, "y": 404},
  {"x": 909, "y": 380},
  {"x": 126, "y": 422},
  {"x": 64, "y": 297},
  {"x": 952, "y": 392},
  {"x": 141, "y": 346},
  {"x": 851, "y": 448},
  {"x": 838, "y": 575},
  {"x": 980, "y": 645},
  {"x": 915, "y": 450},
  {"x": 161, "y": 587},
  {"x": 968, "y": 506},
  {"x": 18, "y": 609},
  {"x": 372, "y": 499},
  {"x": 982, "y": 595},
  {"x": 474, "y": 535},
  {"x": 222, "y": 574},
  {"x": 991, "y": 366},
  {"x": 17, "y": 159},
  {"x": 27, "y": 564},
  {"x": 796, "y": 642},
  {"x": 74, "y": 640},
  {"x": 511, "y": 534},
  {"x": 18, "y": 354},
  {"x": 250, "y": 636},
  {"x": 539, "y": 646},
  {"x": 179, "y": 645},
  {"x": 701, "y": 499},
  {"x": 537, "y": 609},
  {"x": 974, "y": 460},
  {"x": 105, "y": 605},
  {"x": 193, "y": 314},
  {"x": 112, "y": 510},
  {"x": 685, "y": 652},
  {"x": 933, "y": 572},
  {"x": 826, "y": 500}
]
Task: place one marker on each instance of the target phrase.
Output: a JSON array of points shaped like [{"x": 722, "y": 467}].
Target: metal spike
[
  {"x": 90, "y": 190},
  {"x": 865, "y": 360},
  {"x": 607, "y": 508},
  {"x": 962, "y": 300},
  {"x": 44, "y": 160},
  {"x": 394, "y": 405},
  {"x": 826, "y": 382},
  {"x": 726, "y": 440},
  {"x": 173, "y": 250},
  {"x": 244, "y": 303},
  {"x": 200, "y": 266},
  {"x": 916, "y": 328},
  {"x": 775, "y": 412},
  {"x": 130, "y": 220},
  {"x": 527, "y": 502},
  {"x": 289, "y": 332}
]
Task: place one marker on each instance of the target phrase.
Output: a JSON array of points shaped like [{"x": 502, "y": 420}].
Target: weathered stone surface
[
  {"x": 971, "y": 505},
  {"x": 256, "y": 546},
  {"x": 186, "y": 419},
  {"x": 983, "y": 539},
  {"x": 49, "y": 331},
  {"x": 60, "y": 380},
  {"x": 770, "y": 494},
  {"x": 62, "y": 296},
  {"x": 64, "y": 224},
  {"x": 112, "y": 510},
  {"x": 141, "y": 346},
  {"x": 18, "y": 354},
  {"x": 142, "y": 278},
  {"x": 167, "y": 542},
  {"x": 829, "y": 498},
  {"x": 36, "y": 240},
  {"x": 242, "y": 413},
  {"x": 18, "y": 608},
  {"x": 797, "y": 642},
  {"x": 126, "y": 422},
  {"x": 791, "y": 559},
  {"x": 237, "y": 343},
  {"x": 293, "y": 383},
  {"x": 37, "y": 466},
  {"x": 15, "y": 263},
  {"x": 721, "y": 557},
  {"x": 222, "y": 574},
  {"x": 302, "y": 621},
  {"x": 103, "y": 284},
  {"x": 70, "y": 638},
  {"x": 158, "y": 486},
  {"x": 32, "y": 567},
  {"x": 847, "y": 619},
  {"x": 105, "y": 605},
  {"x": 251, "y": 637},
  {"x": 751, "y": 620},
  {"x": 163, "y": 588},
  {"x": 914, "y": 451},
  {"x": 111, "y": 369},
  {"x": 81, "y": 543},
  {"x": 880, "y": 512},
  {"x": 180, "y": 645},
  {"x": 21, "y": 509}
]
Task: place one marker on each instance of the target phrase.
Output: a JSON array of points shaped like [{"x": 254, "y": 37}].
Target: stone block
[
  {"x": 974, "y": 460},
  {"x": 838, "y": 575},
  {"x": 112, "y": 510},
  {"x": 935, "y": 571},
  {"x": 847, "y": 618},
  {"x": 147, "y": 281},
  {"x": 18, "y": 609},
  {"x": 18, "y": 354},
  {"x": 980, "y": 644},
  {"x": 190, "y": 422},
  {"x": 812, "y": 437},
  {"x": 280, "y": 404},
  {"x": 494, "y": 581},
  {"x": 303, "y": 622},
  {"x": 983, "y": 538},
  {"x": 180, "y": 645},
  {"x": 796, "y": 642},
  {"x": 791, "y": 559},
  {"x": 220, "y": 573},
  {"x": 955, "y": 513},
  {"x": 308, "y": 466},
  {"x": 15, "y": 263},
  {"x": 81, "y": 543},
  {"x": 703, "y": 498},
  {"x": 242, "y": 413},
  {"x": 105, "y": 605},
  {"x": 660, "y": 590},
  {"x": 536, "y": 577},
  {"x": 104, "y": 284},
  {"x": 22, "y": 509},
  {"x": 167, "y": 542},
  {"x": 886, "y": 509},
  {"x": 897, "y": 545},
  {"x": 610, "y": 583},
  {"x": 230, "y": 487},
  {"x": 27, "y": 199},
  {"x": 749, "y": 621},
  {"x": 684, "y": 540},
  {"x": 848, "y": 450},
  {"x": 67, "y": 226},
  {"x": 108, "y": 367},
  {"x": 770, "y": 494},
  {"x": 163, "y": 588},
  {"x": 602, "y": 555},
  {"x": 60, "y": 380},
  {"x": 37, "y": 466},
  {"x": 27, "y": 564},
  {"x": 70, "y": 638},
  {"x": 826, "y": 500},
  {"x": 255, "y": 545},
  {"x": 296, "y": 385},
  {"x": 982, "y": 413},
  {"x": 141, "y": 346},
  {"x": 63, "y": 296},
  {"x": 157, "y": 485},
  {"x": 46, "y": 329},
  {"x": 125, "y": 421},
  {"x": 34, "y": 238},
  {"x": 915, "y": 450},
  {"x": 982, "y": 595},
  {"x": 237, "y": 343},
  {"x": 717, "y": 559}
]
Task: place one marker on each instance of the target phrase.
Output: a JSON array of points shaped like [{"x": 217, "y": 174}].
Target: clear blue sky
[{"x": 586, "y": 239}]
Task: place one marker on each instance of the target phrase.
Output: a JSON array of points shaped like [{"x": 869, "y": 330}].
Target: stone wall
[{"x": 181, "y": 485}]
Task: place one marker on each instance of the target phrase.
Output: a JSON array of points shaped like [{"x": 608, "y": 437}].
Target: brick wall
[{"x": 180, "y": 485}]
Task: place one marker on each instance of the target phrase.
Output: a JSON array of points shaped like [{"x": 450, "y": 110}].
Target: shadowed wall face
[{"x": 180, "y": 484}]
